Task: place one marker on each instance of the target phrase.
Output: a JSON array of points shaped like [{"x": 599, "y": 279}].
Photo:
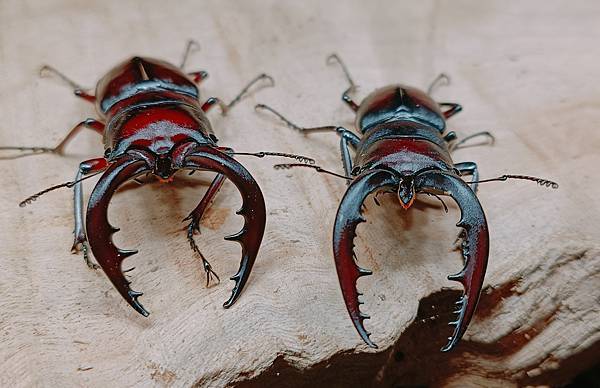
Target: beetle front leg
[
  {"x": 469, "y": 168},
  {"x": 92, "y": 124},
  {"x": 80, "y": 243},
  {"x": 196, "y": 216},
  {"x": 347, "y": 140}
]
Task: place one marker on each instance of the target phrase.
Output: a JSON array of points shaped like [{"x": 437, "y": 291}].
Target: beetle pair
[{"x": 153, "y": 123}]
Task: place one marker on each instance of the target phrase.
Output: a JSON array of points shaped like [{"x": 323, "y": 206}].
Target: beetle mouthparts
[
  {"x": 164, "y": 167},
  {"x": 406, "y": 192}
]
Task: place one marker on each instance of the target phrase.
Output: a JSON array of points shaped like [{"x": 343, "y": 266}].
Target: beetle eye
[{"x": 107, "y": 152}]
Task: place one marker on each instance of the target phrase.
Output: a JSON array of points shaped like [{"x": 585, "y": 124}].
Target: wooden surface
[{"x": 527, "y": 71}]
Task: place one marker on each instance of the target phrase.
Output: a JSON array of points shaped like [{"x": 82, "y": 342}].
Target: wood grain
[{"x": 527, "y": 71}]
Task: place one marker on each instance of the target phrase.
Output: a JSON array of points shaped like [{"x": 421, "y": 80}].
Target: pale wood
[{"x": 527, "y": 71}]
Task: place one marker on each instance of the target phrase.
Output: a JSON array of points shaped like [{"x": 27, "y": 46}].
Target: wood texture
[{"x": 527, "y": 71}]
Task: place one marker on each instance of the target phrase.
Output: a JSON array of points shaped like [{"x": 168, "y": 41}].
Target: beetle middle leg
[
  {"x": 347, "y": 140},
  {"x": 469, "y": 168},
  {"x": 95, "y": 125}
]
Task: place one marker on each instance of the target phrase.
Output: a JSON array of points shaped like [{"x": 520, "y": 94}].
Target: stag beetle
[
  {"x": 402, "y": 149},
  {"x": 152, "y": 122}
]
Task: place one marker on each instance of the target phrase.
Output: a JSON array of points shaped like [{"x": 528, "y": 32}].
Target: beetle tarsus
[
  {"x": 253, "y": 209},
  {"x": 209, "y": 272},
  {"x": 82, "y": 246},
  {"x": 194, "y": 226}
]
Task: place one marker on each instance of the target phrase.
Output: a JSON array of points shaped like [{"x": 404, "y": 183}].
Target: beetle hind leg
[{"x": 78, "y": 90}]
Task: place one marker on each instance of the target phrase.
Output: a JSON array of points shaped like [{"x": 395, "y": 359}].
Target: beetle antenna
[
  {"x": 291, "y": 124},
  {"x": 262, "y": 154},
  {"x": 287, "y": 166},
  {"x": 539, "y": 181},
  {"x": 335, "y": 58},
  {"x": 34, "y": 197}
]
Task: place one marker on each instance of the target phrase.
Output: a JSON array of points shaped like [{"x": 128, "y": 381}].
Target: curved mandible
[
  {"x": 253, "y": 209},
  {"x": 475, "y": 246},
  {"x": 100, "y": 231},
  {"x": 347, "y": 219}
]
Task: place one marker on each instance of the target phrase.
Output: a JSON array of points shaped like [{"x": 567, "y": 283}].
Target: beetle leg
[
  {"x": 100, "y": 231},
  {"x": 93, "y": 124},
  {"x": 190, "y": 46},
  {"x": 352, "y": 88},
  {"x": 454, "y": 108},
  {"x": 198, "y": 76},
  {"x": 475, "y": 249},
  {"x": 347, "y": 219},
  {"x": 253, "y": 208},
  {"x": 212, "y": 101},
  {"x": 460, "y": 144},
  {"x": 348, "y": 138},
  {"x": 469, "y": 168},
  {"x": 80, "y": 239},
  {"x": 78, "y": 90},
  {"x": 225, "y": 107},
  {"x": 58, "y": 149},
  {"x": 345, "y": 142},
  {"x": 196, "y": 216},
  {"x": 441, "y": 80}
]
